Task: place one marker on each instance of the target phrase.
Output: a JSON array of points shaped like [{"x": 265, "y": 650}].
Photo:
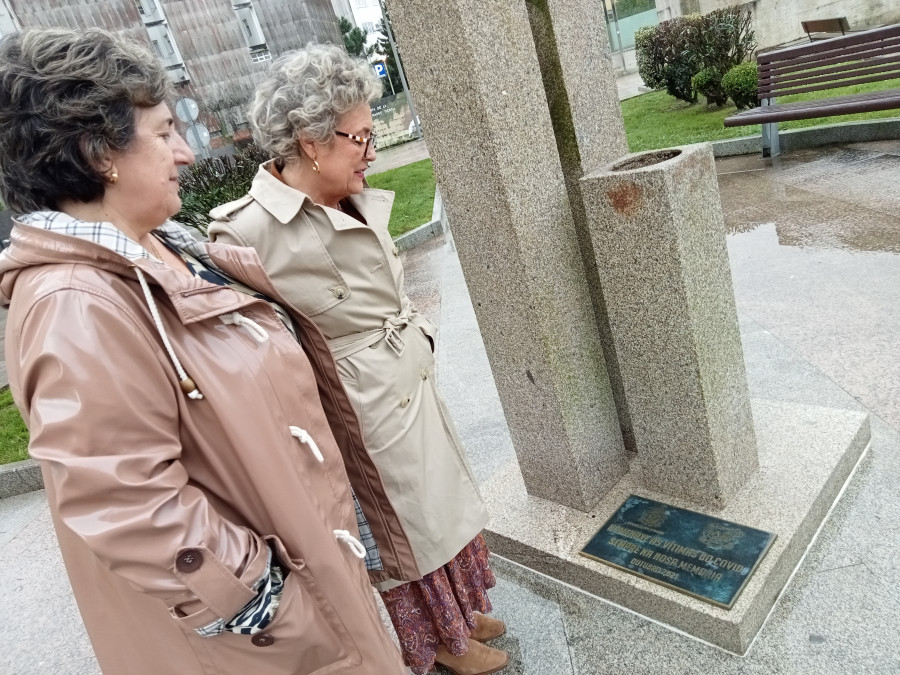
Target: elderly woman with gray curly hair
[
  {"x": 193, "y": 452},
  {"x": 322, "y": 236}
]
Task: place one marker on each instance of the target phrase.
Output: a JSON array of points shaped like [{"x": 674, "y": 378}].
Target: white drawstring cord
[
  {"x": 237, "y": 319},
  {"x": 355, "y": 546},
  {"x": 187, "y": 384},
  {"x": 304, "y": 437}
]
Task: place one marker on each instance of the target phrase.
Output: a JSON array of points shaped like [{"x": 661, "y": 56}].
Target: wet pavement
[{"x": 814, "y": 246}]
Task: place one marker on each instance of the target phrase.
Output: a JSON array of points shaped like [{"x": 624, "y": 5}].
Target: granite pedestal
[
  {"x": 657, "y": 230},
  {"x": 806, "y": 453}
]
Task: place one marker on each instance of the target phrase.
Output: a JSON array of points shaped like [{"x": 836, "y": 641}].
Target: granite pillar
[
  {"x": 477, "y": 80},
  {"x": 656, "y": 226},
  {"x": 580, "y": 84}
]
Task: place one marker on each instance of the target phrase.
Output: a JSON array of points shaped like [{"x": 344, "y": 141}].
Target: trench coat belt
[{"x": 347, "y": 345}]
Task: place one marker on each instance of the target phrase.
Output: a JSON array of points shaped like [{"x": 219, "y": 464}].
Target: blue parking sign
[{"x": 380, "y": 69}]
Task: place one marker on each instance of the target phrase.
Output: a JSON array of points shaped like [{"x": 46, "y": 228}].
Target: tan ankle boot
[
  {"x": 487, "y": 628},
  {"x": 479, "y": 660}
]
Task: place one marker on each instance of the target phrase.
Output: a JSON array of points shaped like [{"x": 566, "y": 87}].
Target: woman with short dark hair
[{"x": 191, "y": 448}]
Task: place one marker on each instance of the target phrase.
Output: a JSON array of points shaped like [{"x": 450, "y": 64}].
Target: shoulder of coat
[{"x": 228, "y": 211}]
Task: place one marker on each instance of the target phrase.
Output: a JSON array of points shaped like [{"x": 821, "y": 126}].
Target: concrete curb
[
  {"x": 433, "y": 227},
  {"x": 814, "y": 137},
  {"x": 20, "y": 477}
]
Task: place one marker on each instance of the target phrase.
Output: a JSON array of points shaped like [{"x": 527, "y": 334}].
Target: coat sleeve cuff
[{"x": 219, "y": 593}]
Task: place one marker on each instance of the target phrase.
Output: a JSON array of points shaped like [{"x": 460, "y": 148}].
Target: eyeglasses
[{"x": 368, "y": 142}]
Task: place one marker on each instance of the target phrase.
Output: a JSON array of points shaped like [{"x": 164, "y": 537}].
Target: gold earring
[
  {"x": 113, "y": 177},
  {"x": 316, "y": 165}
]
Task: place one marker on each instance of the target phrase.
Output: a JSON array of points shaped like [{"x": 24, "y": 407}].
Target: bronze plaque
[{"x": 702, "y": 556}]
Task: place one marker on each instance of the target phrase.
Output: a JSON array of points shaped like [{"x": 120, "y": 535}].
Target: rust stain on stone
[{"x": 625, "y": 198}]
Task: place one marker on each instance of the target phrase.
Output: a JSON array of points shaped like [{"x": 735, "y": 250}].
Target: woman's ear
[
  {"x": 97, "y": 155},
  {"x": 308, "y": 148}
]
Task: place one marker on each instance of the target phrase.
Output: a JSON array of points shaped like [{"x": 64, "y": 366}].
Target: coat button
[
  {"x": 189, "y": 560},
  {"x": 396, "y": 252},
  {"x": 339, "y": 292},
  {"x": 424, "y": 374},
  {"x": 262, "y": 640},
  {"x": 404, "y": 402}
]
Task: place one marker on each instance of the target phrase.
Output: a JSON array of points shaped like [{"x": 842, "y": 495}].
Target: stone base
[
  {"x": 20, "y": 477},
  {"x": 806, "y": 455}
]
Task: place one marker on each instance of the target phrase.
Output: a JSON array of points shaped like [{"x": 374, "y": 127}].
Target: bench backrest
[
  {"x": 837, "y": 25},
  {"x": 870, "y": 56}
]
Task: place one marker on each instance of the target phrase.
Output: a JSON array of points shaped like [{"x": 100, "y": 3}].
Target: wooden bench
[
  {"x": 824, "y": 29},
  {"x": 870, "y": 56}
]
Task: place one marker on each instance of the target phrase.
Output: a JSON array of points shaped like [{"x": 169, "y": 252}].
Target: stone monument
[{"x": 510, "y": 134}]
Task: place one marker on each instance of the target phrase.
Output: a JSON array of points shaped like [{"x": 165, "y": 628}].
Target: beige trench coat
[
  {"x": 163, "y": 504},
  {"x": 347, "y": 277}
]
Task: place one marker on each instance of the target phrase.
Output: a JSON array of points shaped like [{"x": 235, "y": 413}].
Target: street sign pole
[
  {"x": 187, "y": 111},
  {"x": 381, "y": 71}
]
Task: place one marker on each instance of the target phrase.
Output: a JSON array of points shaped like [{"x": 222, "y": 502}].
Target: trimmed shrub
[
  {"x": 671, "y": 54},
  {"x": 678, "y": 39},
  {"x": 209, "y": 183},
  {"x": 727, "y": 38},
  {"x": 709, "y": 83},
  {"x": 740, "y": 85},
  {"x": 650, "y": 57}
]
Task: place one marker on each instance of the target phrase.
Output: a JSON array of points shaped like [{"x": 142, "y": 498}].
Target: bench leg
[{"x": 770, "y": 144}]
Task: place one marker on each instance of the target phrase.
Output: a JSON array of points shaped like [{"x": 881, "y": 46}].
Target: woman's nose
[{"x": 183, "y": 152}]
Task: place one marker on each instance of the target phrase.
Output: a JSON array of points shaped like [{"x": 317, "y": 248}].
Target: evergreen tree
[{"x": 354, "y": 39}]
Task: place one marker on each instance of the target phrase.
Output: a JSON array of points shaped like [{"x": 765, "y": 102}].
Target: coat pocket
[
  {"x": 305, "y": 637},
  {"x": 427, "y": 328},
  {"x": 313, "y": 285}
]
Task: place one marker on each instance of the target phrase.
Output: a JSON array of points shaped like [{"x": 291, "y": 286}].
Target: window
[
  {"x": 150, "y": 11},
  {"x": 261, "y": 55},
  {"x": 164, "y": 44},
  {"x": 368, "y": 27},
  {"x": 250, "y": 26},
  {"x": 178, "y": 74}
]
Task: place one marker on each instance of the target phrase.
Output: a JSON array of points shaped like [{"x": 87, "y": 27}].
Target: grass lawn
[
  {"x": 656, "y": 120},
  {"x": 13, "y": 434},
  {"x": 414, "y": 200}
]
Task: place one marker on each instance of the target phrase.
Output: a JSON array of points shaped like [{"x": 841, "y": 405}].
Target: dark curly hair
[{"x": 67, "y": 99}]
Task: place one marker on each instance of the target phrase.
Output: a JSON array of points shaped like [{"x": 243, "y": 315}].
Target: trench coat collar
[{"x": 285, "y": 202}]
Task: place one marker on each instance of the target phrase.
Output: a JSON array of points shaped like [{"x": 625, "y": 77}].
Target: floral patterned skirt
[{"x": 440, "y": 608}]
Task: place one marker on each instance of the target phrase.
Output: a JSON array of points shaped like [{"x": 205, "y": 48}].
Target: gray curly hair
[
  {"x": 68, "y": 99},
  {"x": 305, "y": 95}
]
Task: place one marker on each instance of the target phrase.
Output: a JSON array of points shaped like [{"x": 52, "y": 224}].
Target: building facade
[{"x": 214, "y": 50}]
